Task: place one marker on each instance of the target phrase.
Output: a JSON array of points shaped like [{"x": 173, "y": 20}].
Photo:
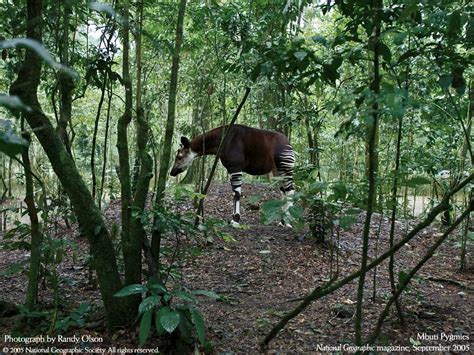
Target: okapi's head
[{"x": 184, "y": 157}]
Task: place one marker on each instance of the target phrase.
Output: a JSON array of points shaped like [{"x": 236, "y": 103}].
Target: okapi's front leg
[{"x": 236, "y": 183}]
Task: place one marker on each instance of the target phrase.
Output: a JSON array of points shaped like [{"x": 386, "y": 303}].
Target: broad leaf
[
  {"x": 13, "y": 269},
  {"x": 131, "y": 290},
  {"x": 169, "y": 319},
  {"x": 13, "y": 103},
  {"x": 445, "y": 80},
  {"x": 40, "y": 51},
  {"x": 402, "y": 277},
  {"x": 266, "y": 68},
  {"x": 149, "y": 303},
  {"x": 347, "y": 221},
  {"x": 454, "y": 25},
  {"x": 296, "y": 212},
  {"x": 185, "y": 296},
  {"x": 272, "y": 211},
  {"x": 320, "y": 39},
  {"x": 255, "y": 72},
  {"x": 209, "y": 294},
  {"x": 157, "y": 287},
  {"x": 145, "y": 327},
  {"x": 385, "y": 52},
  {"x": 416, "y": 181},
  {"x": 200, "y": 325},
  {"x": 300, "y": 55},
  {"x": 109, "y": 10},
  {"x": 10, "y": 143}
]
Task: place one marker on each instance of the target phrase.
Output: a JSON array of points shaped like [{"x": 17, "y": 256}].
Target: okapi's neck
[{"x": 207, "y": 143}]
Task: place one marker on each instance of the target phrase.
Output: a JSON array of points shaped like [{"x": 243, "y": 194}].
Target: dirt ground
[{"x": 264, "y": 272}]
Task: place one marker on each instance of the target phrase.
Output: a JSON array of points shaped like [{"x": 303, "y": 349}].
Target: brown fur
[{"x": 247, "y": 149}]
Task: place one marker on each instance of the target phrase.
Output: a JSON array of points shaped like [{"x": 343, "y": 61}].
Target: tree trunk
[
  {"x": 94, "y": 136},
  {"x": 88, "y": 215},
  {"x": 106, "y": 139},
  {"x": 146, "y": 165},
  {"x": 372, "y": 166},
  {"x": 464, "y": 151},
  {"x": 66, "y": 83},
  {"x": 36, "y": 234},
  {"x": 168, "y": 140},
  {"x": 131, "y": 259}
]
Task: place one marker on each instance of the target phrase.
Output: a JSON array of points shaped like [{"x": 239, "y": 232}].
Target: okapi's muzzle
[{"x": 176, "y": 171}]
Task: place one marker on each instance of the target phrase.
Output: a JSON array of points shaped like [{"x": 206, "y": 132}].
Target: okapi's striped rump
[{"x": 285, "y": 162}]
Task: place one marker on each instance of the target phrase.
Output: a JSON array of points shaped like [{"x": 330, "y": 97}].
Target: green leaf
[
  {"x": 410, "y": 8},
  {"x": 272, "y": 211},
  {"x": 209, "y": 294},
  {"x": 131, "y": 290},
  {"x": 445, "y": 80},
  {"x": 255, "y": 72},
  {"x": 330, "y": 71},
  {"x": 254, "y": 199},
  {"x": 149, "y": 303},
  {"x": 454, "y": 24},
  {"x": 408, "y": 54},
  {"x": 10, "y": 143},
  {"x": 97, "y": 230},
  {"x": 399, "y": 38},
  {"x": 156, "y": 287},
  {"x": 185, "y": 296},
  {"x": 347, "y": 221},
  {"x": 169, "y": 319},
  {"x": 385, "y": 52},
  {"x": 109, "y": 10},
  {"x": 145, "y": 327},
  {"x": 336, "y": 62},
  {"x": 13, "y": 103},
  {"x": 40, "y": 51},
  {"x": 185, "y": 325},
  {"x": 200, "y": 325},
  {"x": 402, "y": 277},
  {"x": 470, "y": 30},
  {"x": 296, "y": 212},
  {"x": 266, "y": 68},
  {"x": 339, "y": 191},
  {"x": 320, "y": 40},
  {"x": 13, "y": 269},
  {"x": 159, "y": 328},
  {"x": 416, "y": 181},
  {"x": 300, "y": 55}
]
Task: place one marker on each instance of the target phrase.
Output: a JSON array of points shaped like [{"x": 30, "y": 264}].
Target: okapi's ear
[{"x": 185, "y": 142}]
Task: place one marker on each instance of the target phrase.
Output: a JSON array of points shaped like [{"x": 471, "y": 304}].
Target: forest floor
[{"x": 265, "y": 270}]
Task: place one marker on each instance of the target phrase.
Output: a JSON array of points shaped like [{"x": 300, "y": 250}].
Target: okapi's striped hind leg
[
  {"x": 236, "y": 183},
  {"x": 285, "y": 164}
]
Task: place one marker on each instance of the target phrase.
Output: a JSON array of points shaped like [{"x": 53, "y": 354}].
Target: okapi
[{"x": 250, "y": 150}]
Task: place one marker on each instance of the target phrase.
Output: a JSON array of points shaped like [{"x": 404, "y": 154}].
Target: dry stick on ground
[
  {"x": 332, "y": 286},
  {"x": 412, "y": 273},
  {"x": 221, "y": 145},
  {"x": 448, "y": 281}
]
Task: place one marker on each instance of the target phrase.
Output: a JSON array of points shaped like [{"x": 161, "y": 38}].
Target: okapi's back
[{"x": 257, "y": 149}]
